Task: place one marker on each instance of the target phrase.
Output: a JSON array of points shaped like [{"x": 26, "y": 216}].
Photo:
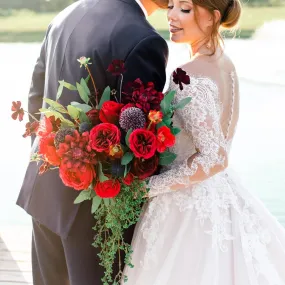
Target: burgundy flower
[
  {"x": 18, "y": 111},
  {"x": 31, "y": 128},
  {"x": 143, "y": 168},
  {"x": 180, "y": 76},
  {"x": 117, "y": 67},
  {"x": 143, "y": 97}
]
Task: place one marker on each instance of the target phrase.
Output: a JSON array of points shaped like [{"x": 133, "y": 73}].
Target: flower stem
[
  {"x": 93, "y": 82},
  {"x": 149, "y": 126},
  {"x": 32, "y": 116},
  {"x": 120, "y": 90}
]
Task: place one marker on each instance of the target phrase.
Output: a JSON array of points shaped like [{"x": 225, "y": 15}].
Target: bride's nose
[{"x": 171, "y": 15}]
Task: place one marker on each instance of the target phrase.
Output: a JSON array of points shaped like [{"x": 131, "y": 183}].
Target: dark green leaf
[
  {"x": 84, "y": 85},
  {"x": 83, "y": 196},
  {"x": 167, "y": 122},
  {"x": 73, "y": 112},
  {"x": 83, "y": 94},
  {"x": 84, "y": 107},
  {"x": 166, "y": 102},
  {"x": 127, "y": 158},
  {"x": 161, "y": 124},
  {"x": 182, "y": 103},
  {"x": 96, "y": 201},
  {"x": 102, "y": 177},
  {"x": 83, "y": 117},
  {"x": 55, "y": 105},
  {"x": 175, "y": 131},
  {"x": 128, "y": 137},
  {"x": 105, "y": 96},
  {"x": 167, "y": 158}
]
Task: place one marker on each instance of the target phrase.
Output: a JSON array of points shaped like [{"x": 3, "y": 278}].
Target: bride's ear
[{"x": 217, "y": 16}]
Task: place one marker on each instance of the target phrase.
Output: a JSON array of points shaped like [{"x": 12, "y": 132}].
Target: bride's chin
[{"x": 175, "y": 38}]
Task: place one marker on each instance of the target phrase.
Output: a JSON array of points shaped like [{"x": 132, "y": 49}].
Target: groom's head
[
  {"x": 152, "y": 5},
  {"x": 161, "y": 3}
]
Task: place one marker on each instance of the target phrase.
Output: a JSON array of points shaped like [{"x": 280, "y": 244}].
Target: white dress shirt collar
[{"x": 142, "y": 7}]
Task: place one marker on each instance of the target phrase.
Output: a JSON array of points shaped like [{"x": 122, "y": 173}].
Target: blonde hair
[{"x": 230, "y": 11}]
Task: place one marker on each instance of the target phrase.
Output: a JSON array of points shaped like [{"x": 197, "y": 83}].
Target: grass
[{"x": 26, "y": 26}]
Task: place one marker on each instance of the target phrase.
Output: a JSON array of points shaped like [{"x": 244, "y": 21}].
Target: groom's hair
[{"x": 161, "y": 3}]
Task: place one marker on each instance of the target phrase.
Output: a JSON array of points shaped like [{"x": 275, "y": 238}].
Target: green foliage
[
  {"x": 111, "y": 221},
  {"x": 127, "y": 158},
  {"x": 166, "y": 158},
  {"x": 105, "y": 96}
]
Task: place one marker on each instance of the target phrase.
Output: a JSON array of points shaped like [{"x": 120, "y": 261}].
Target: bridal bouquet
[{"x": 106, "y": 149}]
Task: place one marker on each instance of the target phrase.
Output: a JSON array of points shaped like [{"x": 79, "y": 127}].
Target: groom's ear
[{"x": 163, "y": 4}]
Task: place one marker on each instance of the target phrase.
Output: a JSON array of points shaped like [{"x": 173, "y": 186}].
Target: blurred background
[{"x": 257, "y": 49}]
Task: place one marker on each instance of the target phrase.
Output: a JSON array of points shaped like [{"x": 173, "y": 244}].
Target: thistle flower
[{"x": 132, "y": 118}]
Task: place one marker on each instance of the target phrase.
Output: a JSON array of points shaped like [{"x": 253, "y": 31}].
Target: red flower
[
  {"x": 165, "y": 139},
  {"x": 144, "y": 97},
  {"x": 103, "y": 136},
  {"x": 44, "y": 167},
  {"x": 110, "y": 112},
  {"x": 117, "y": 67},
  {"x": 155, "y": 116},
  {"x": 48, "y": 149},
  {"x": 128, "y": 180},
  {"x": 79, "y": 179},
  {"x": 75, "y": 151},
  {"x": 18, "y": 111},
  {"x": 142, "y": 143},
  {"x": 127, "y": 106},
  {"x": 48, "y": 125},
  {"x": 108, "y": 189},
  {"x": 31, "y": 128},
  {"x": 143, "y": 168},
  {"x": 180, "y": 76},
  {"x": 93, "y": 116}
]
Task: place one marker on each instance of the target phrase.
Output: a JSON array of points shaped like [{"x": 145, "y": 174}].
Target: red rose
[
  {"x": 108, "y": 189},
  {"x": 128, "y": 180},
  {"x": 103, "y": 136},
  {"x": 77, "y": 179},
  {"x": 93, "y": 116},
  {"x": 143, "y": 143},
  {"x": 48, "y": 149},
  {"x": 110, "y": 112},
  {"x": 143, "y": 168},
  {"x": 165, "y": 139}
]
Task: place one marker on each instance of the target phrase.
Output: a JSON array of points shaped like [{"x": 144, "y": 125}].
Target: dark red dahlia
[
  {"x": 180, "y": 76},
  {"x": 75, "y": 152},
  {"x": 117, "y": 67},
  {"x": 143, "y": 97}
]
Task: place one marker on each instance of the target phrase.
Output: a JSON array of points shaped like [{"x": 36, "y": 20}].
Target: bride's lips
[{"x": 174, "y": 29}]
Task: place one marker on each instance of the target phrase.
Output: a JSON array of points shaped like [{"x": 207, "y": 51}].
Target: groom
[{"x": 102, "y": 30}]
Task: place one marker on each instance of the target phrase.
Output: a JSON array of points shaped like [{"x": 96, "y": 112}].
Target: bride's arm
[{"x": 203, "y": 124}]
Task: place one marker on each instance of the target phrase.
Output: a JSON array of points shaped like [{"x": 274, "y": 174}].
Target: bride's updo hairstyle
[{"x": 230, "y": 12}]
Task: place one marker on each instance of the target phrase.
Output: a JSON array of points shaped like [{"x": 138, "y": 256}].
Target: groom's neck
[{"x": 150, "y": 6}]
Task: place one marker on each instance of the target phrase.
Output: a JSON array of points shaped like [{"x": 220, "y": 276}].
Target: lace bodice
[{"x": 203, "y": 146}]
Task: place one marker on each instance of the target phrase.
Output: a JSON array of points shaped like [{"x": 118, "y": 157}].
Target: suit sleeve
[
  {"x": 36, "y": 93},
  {"x": 147, "y": 61}
]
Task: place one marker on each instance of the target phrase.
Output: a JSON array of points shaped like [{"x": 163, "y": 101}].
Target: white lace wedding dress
[{"x": 212, "y": 232}]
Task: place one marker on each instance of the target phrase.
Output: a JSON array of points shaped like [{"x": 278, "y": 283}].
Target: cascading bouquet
[{"x": 106, "y": 149}]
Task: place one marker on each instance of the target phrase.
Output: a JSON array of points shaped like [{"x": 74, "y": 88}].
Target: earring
[{"x": 208, "y": 45}]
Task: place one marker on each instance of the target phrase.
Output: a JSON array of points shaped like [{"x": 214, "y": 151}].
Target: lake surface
[{"x": 258, "y": 153}]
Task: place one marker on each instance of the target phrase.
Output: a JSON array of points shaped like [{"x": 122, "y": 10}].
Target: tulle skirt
[{"x": 214, "y": 233}]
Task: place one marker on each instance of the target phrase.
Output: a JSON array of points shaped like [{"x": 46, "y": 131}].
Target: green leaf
[
  {"x": 106, "y": 201},
  {"x": 84, "y": 107},
  {"x": 175, "y": 131},
  {"x": 105, "y": 96},
  {"x": 166, "y": 102},
  {"x": 161, "y": 124},
  {"x": 102, "y": 177},
  {"x": 50, "y": 112},
  {"x": 96, "y": 201},
  {"x": 73, "y": 112},
  {"x": 84, "y": 85},
  {"x": 128, "y": 137},
  {"x": 167, "y": 122},
  {"x": 127, "y": 158},
  {"x": 112, "y": 201},
  {"x": 83, "y": 196},
  {"x": 66, "y": 123},
  {"x": 167, "y": 158},
  {"x": 59, "y": 90},
  {"x": 56, "y": 106},
  {"x": 83, "y": 117},
  {"x": 87, "y": 78},
  {"x": 182, "y": 103},
  {"x": 83, "y": 94}
]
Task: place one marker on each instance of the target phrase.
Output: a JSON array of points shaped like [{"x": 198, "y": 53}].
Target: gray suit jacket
[{"x": 102, "y": 30}]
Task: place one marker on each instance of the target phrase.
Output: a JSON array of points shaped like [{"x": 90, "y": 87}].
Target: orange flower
[
  {"x": 155, "y": 116},
  {"x": 116, "y": 151}
]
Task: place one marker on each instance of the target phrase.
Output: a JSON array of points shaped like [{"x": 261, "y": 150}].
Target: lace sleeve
[{"x": 202, "y": 122}]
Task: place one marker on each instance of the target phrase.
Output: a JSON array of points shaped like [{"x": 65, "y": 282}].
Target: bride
[{"x": 201, "y": 227}]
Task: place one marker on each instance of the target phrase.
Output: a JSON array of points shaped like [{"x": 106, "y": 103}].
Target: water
[{"x": 258, "y": 153}]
